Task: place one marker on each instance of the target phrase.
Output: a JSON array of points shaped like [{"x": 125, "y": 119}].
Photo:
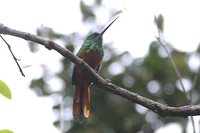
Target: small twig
[
  {"x": 194, "y": 83},
  {"x": 16, "y": 60},
  {"x": 195, "y": 80},
  {"x": 159, "y": 21},
  {"x": 193, "y": 125},
  {"x": 174, "y": 67},
  {"x": 62, "y": 120},
  {"x": 163, "y": 44}
]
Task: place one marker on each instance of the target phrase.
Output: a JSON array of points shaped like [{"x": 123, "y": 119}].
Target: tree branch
[{"x": 161, "y": 109}]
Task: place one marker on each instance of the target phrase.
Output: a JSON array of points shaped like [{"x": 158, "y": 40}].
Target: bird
[{"x": 92, "y": 53}]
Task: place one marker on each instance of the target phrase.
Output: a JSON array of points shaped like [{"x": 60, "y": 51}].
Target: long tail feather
[
  {"x": 77, "y": 103},
  {"x": 81, "y": 105},
  {"x": 86, "y": 103}
]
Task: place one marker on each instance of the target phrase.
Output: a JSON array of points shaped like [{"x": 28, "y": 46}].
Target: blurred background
[{"x": 42, "y": 101}]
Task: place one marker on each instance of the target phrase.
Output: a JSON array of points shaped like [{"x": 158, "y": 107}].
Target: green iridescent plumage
[{"x": 90, "y": 45}]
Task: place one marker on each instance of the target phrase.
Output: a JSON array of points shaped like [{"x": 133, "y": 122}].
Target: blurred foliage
[
  {"x": 5, "y": 131},
  {"x": 159, "y": 21},
  {"x": 152, "y": 77},
  {"x": 87, "y": 11}
]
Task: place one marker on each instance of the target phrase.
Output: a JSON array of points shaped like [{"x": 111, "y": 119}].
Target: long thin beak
[{"x": 108, "y": 26}]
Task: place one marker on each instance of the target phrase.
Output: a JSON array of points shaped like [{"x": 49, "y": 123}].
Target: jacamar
[{"x": 92, "y": 53}]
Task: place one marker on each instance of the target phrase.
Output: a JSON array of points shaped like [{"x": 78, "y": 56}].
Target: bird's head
[{"x": 98, "y": 37}]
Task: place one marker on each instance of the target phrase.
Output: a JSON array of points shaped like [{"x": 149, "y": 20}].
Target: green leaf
[
  {"x": 6, "y": 131},
  {"x": 4, "y": 90}
]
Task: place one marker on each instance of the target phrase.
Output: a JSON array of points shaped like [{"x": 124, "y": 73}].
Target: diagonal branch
[{"x": 161, "y": 109}]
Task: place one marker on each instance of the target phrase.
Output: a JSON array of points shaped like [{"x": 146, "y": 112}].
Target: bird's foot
[{"x": 108, "y": 80}]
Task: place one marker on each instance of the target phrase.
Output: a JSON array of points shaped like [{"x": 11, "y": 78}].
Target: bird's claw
[{"x": 108, "y": 80}]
